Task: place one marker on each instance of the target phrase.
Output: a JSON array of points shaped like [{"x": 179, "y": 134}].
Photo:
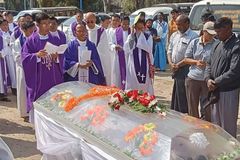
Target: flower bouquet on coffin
[
  {"x": 138, "y": 101},
  {"x": 143, "y": 139},
  {"x": 61, "y": 98},
  {"x": 95, "y": 116}
]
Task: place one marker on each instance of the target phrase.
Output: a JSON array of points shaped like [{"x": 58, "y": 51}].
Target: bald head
[
  {"x": 90, "y": 20},
  {"x": 182, "y": 23},
  {"x": 90, "y": 15}
]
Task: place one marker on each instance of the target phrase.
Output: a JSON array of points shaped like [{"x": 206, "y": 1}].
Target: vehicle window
[{"x": 232, "y": 11}]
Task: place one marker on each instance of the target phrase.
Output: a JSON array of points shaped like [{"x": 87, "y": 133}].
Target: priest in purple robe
[
  {"x": 59, "y": 35},
  {"x": 3, "y": 77},
  {"x": 17, "y": 31},
  {"x": 117, "y": 39},
  {"x": 42, "y": 70},
  {"x": 82, "y": 62}
]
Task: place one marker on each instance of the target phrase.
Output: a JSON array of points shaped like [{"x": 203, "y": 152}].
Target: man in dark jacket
[{"x": 223, "y": 75}]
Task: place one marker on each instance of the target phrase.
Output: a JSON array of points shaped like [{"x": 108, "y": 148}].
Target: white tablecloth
[{"x": 57, "y": 142}]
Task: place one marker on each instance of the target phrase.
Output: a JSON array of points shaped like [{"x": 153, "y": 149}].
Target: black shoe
[
  {"x": 26, "y": 119},
  {"x": 14, "y": 91},
  {"x": 5, "y": 99}
]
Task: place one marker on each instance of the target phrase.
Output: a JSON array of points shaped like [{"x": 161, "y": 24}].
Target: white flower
[
  {"x": 113, "y": 100},
  {"x": 163, "y": 114},
  {"x": 153, "y": 102},
  {"x": 130, "y": 99},
  {"x": 199, "y": 140}
]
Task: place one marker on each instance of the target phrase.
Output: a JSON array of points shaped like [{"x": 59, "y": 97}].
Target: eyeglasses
[{"x": 89, "y": 22}]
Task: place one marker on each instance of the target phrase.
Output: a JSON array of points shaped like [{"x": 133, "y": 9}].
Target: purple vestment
[
  {"x": 40, "y": 76},
  {"x": 71, "y": 58},
  {"x": 121, "y": 56},
  {"x": 17, "y": 32},
  {"x": 2, "y": 63}
]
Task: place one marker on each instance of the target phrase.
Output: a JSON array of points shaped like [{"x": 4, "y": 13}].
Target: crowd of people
[{"x": 205, "y": 67}]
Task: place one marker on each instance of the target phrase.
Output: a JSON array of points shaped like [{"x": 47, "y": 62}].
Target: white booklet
[{"x": 51, "y": 48}]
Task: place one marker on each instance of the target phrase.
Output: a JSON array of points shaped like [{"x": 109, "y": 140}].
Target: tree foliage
[{"x": 88, "y": 5}]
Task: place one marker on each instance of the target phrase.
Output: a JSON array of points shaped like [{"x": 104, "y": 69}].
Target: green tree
[{"x": 128, "y": 6}]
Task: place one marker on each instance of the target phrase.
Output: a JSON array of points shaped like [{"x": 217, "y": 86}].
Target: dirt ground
[{"x": 20, "y": 136}]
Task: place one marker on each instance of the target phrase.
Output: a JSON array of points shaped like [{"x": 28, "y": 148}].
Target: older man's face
[
  {"x": 91, "y": 21},
  {"x": 182, "y": 26},
  {"x": 223, "y": 33}
]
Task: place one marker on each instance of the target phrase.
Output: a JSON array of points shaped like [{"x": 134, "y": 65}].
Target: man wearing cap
[
  {"x": 223, "y": 76},
  {"x": 197, "y": 54}
]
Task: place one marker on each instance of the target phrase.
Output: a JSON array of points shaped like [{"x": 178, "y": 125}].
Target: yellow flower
[
  {"x": 149, "y": 126},
  {"x": 147, "y": 137}
]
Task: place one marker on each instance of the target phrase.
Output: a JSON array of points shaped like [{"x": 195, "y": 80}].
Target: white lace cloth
[{"x": 57, "y": 142}]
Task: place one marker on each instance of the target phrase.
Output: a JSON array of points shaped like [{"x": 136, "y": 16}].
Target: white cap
[{"x": 209, "y": 27}]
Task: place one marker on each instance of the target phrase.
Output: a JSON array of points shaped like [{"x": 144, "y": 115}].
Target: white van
[
  {"x": 151, "y": 12},
  {"x": 219, "y": 8},
  {"x": 31, "y": 12}
]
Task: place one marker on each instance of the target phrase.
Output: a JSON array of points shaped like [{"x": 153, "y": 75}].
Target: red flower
[
  {"x": 145, "y": 94},
  {"x": 135, "y": 94},
  {"x": 152, "y": 97},
  {"x": 119, "y": 97},
  {"x": 117, "y": 107},
  {"x": 129, "y": 94}
]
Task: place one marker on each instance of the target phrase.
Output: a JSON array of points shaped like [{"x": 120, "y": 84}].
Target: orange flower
[
  {"x": 72, "y": 102},
  {"x": 97, "y": 91},
  {"x": 138, "y": 129},
  {"x": 154, "y": 138},
  {"x": 145, "y": 149},
  {"x": 130, "y": 135}
]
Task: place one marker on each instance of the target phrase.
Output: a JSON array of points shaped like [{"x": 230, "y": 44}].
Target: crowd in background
[{"x": 205, "y": 67}]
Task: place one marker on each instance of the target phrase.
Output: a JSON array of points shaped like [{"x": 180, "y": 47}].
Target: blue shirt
[
  {"x": 178, "y": 44},
  {"x": 197, "y": 50}
]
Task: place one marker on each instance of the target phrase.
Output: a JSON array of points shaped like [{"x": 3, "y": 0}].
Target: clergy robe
[
  {"x": 9, "y": 59},
  {"x": 60, "y": 37},
  {"x": 72, "y": 60},
  {"x": 12, "y": 26},
  {"x": 118, "y": 71},
  {"x": 140, "y": 59},
  {"x": 15, "y": 34},
  {"x": 3, "y": 80},
  {"x": 41, "y": 74},
  {"x": 99, "y": 37},
  {"x": 21, "y": 83}
]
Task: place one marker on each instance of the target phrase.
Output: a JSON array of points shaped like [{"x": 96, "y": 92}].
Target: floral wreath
[{"x": 138, "y": 101}]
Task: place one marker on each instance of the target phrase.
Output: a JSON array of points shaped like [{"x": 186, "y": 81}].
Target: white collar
[
  {"x": 95, "y": 28},
  {"x": 82, "y": 43},
  {"x": 43, "y": 37},
  {"x": 54, "y": 33}
]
